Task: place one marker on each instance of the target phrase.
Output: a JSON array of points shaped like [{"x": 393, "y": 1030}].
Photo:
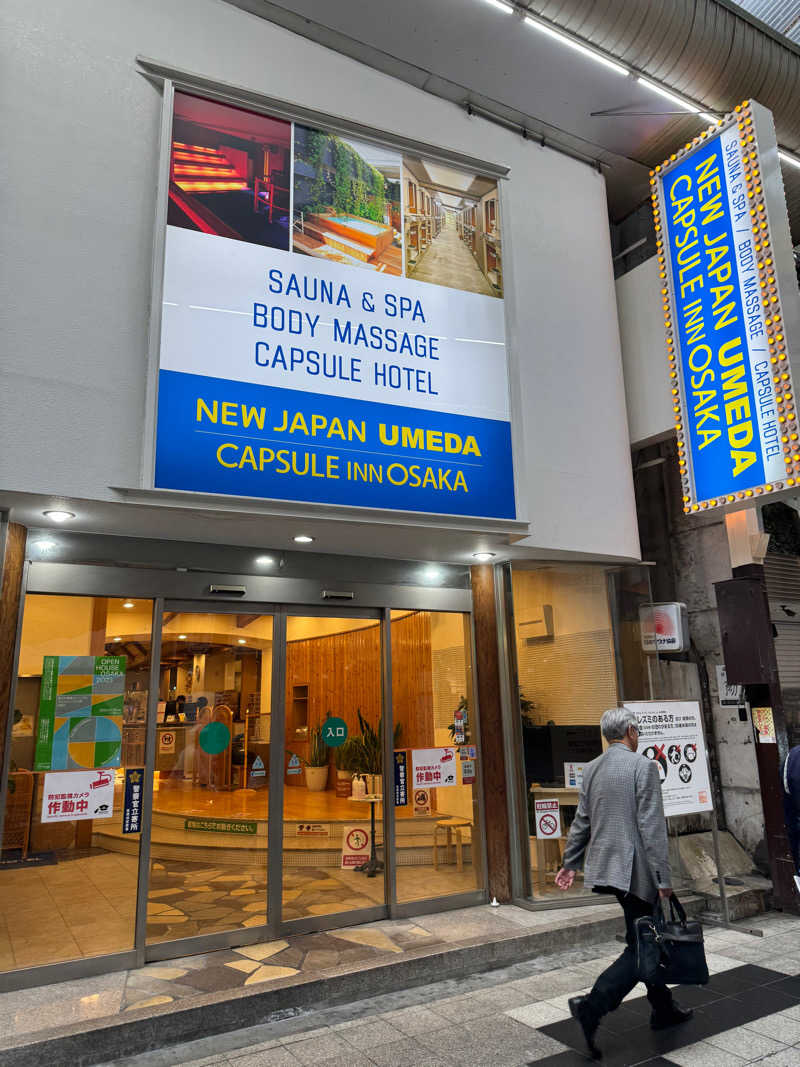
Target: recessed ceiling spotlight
[
  {"x": 483, "y": 557},
  {"x": 129, "y": 604},
  {"x": 181, "y": 637},
  {"x": 303, "y": 539},
  {"x": 115, "y": 639},
  {"x": 264, "y": 561},
  {"x": 432, "y": 574},
  {"x": 59, "y": 516},
  {"x": 242, "y": 641}
]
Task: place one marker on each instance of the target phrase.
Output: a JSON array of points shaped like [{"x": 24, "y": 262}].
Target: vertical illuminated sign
[{"x": 731, "y": 307}]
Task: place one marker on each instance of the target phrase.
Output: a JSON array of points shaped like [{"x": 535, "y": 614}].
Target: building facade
[{"x": 250, "y": 685}]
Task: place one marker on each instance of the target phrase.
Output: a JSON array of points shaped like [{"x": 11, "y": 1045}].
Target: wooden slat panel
[{"x": 412, "y": 679}]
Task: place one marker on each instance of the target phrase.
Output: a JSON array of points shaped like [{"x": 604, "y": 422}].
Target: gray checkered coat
[{"x": 621, "y": 811}]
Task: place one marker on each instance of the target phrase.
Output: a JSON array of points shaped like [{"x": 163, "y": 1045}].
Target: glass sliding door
[
  {"x": 333, "y": 767},
  {"x": 68, "y": 868},
  {"x": 208, "y": 852},
  {"x": 438, "y": 846}
]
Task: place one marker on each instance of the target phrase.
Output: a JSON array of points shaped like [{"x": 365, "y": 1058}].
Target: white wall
[
  {"x": 644, "y": 353},
  {"x": 80, "y": 130}
]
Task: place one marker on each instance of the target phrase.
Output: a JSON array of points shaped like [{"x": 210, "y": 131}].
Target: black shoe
[
  {"x": 580, "y": 1010},
  {"x": 673, "y": 1017}
]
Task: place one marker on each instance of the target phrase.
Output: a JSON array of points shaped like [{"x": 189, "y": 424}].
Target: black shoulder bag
[{"x": 670, "y": 950}]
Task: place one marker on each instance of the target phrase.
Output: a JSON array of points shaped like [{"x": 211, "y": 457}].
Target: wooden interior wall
[
  {"x": 342, "y": 672},
  {"x": 412, "y": 679}
]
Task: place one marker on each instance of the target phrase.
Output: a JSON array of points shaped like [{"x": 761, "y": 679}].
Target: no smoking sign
[{"x": 548, "y": 818}]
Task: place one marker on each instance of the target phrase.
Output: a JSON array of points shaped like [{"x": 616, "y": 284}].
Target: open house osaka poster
[{"x": 332, "y": 328}]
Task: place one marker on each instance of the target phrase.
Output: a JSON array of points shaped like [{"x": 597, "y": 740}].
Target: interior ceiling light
[
  {"x": 303, "y": 539},
  {"x": 129, "y": 604},
  {"x": 432, "y": 574},
  {"x": 483, "y": 557},
  {"x": 59, "y": 516},
  {"x": 181, "y": 637},
  {"x": 706, "y": 117},
  {"x": 684, "y": 104},
  {"x": 242, "y": 641},
  {"x": 116, "y": 639},
  {"x": 793, "y": 161},
  {"x": 501, "y": 5},
  {"x": 571, "y": 43},
  {"x": 264, "y": 561},
  {"x": 44, "y": 545}
]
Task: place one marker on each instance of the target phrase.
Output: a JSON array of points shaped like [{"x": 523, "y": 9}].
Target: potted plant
[
  {"x": 317, "y": 763},
  {"x": 345, "y": 757},
  {"x": 368, "y": 761},
  {"x": 526, "y": 710}
]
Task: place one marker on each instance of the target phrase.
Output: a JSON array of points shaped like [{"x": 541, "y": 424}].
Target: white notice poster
[
  {"x": 71, "y": 795},
  {"x": 671, "y": 734},
  {"x": 433, "y": 767},
  {"x": 548, "y": 819}
]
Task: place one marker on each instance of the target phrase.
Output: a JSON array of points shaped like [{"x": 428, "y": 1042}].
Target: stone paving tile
[
  {"x": 778, "y": 1026},
  {"x": 415, "y": 1020},
  {"x": 371, "y": 1034},
  {"x": 324, "y": 1047},
  {"x": 703, "y": 1054},
  {"x": 744, "y": 1042},
  {"x": 536, "y": 1015},
  {"x": 409, "y": 1053},
  {"x": 274, "y": 1057},
  {"x": 788, "y": 1057}
]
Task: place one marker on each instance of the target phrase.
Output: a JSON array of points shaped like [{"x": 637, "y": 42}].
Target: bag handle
[{"x": 676, "y": 909}]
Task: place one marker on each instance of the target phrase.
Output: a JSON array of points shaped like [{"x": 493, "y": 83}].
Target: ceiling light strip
[
  {"x": 578, "y": 46},
  {"x": 682, "y": 102}
]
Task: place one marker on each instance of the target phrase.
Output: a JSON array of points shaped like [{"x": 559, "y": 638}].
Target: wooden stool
[{"x": 453, "y": 828}]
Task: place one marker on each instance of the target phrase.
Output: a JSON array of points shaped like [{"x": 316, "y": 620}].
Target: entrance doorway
[{"x": 261, "y": 733}]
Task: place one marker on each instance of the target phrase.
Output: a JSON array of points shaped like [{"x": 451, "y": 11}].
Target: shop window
[
  {"x": 438, "y": 845},
  {"x": 567, "y": 678},
  {"x": 69, "y": 866}
]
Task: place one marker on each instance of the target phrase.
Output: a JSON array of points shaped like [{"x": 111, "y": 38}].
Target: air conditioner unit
[{"x": 539, "y": 628}]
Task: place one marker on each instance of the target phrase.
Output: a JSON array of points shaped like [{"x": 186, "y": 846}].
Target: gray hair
[{"x": 616, "y": 722}]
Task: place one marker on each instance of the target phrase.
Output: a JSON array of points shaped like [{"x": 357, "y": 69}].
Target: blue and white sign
[
  {"x": 332, "y": 321},
  {"x": 132, "y": 805},
  {"x": 294, "y": 379},
  {"x": 733, "y": 395}
]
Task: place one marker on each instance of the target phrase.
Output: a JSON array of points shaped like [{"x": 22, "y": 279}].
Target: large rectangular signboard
[
  {"x": 730, "y": 302},
  {"x": 332, "y": 327}
]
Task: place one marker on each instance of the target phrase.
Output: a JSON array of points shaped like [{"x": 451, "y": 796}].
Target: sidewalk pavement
[{"x": 749, "y": 1013}]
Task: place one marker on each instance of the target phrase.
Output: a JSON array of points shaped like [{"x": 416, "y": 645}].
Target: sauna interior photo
[{"x": 210, "y": 821}]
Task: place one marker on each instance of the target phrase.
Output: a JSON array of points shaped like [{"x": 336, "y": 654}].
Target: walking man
[
  {"x": 791, "y": 807},
  {"x": 620, "y": 819}
]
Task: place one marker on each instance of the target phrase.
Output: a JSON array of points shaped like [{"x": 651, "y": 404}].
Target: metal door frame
[
  {"x": 275, "y": 926},
  {"x": 189, "y": 592}
]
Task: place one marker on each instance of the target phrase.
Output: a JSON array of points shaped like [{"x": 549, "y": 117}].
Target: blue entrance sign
[{"x": 717, "y": 224}]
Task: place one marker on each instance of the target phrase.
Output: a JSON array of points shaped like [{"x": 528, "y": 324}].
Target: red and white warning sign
[
  {"x": 356, "y": 844},
  {"x": 548, "y": 818}
]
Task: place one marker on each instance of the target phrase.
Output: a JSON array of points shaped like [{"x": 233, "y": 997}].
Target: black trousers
[{"x": 618, "y": 980}]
